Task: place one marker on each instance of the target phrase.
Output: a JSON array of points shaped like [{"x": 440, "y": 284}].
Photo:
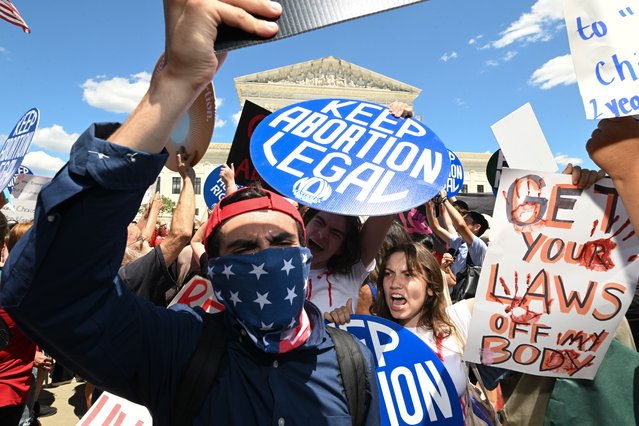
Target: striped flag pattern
[{"x": 9, "y": 13}]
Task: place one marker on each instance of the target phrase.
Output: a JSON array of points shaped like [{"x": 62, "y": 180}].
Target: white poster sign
[
  {"x": 110, "y": 409},
  {"x": 522, "y": 141},
  {"x": 603, "y": 42},
  {"x": 558, "y": 278},
  {"x": 25, "y": 195}
]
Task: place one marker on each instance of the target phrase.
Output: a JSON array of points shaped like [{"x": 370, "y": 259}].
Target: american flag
[
  {"x": 9, "y": 13},
  {"x": 261, "y": 290}
]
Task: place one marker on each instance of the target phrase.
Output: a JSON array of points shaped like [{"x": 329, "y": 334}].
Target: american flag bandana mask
[{"x": 264, "y": 292}]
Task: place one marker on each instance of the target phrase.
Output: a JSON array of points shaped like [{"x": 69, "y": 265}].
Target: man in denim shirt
[{"x": 62, "y": 288}]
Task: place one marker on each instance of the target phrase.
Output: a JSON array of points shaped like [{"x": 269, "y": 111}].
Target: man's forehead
[{"x": 260, "y": 217}]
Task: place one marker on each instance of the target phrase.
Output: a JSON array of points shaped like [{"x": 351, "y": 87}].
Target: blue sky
[{"x": 475, "y": 61}]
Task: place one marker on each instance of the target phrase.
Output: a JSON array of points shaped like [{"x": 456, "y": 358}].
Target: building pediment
[{"x": 328, "y": 72}]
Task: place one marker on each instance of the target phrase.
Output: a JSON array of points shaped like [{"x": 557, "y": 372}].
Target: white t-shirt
[
  {"x": 329, "y": 291},
  {"x": 450, "y": 346}
]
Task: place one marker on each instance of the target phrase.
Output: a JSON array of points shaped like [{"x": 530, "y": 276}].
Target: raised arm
[
  {"x": 434, "y": 224},
  {"x": 184, "y": 214},
  {"x": 228, "y": 177},
  {"x": 614, "y": 146},
  {"x": 78, "y": 309},
  {"x": 372, "y": 236},
  {"x": 191, "y": 63},
  {"x": 458, "y": 222},
  {"x": 152, "y": 219}
]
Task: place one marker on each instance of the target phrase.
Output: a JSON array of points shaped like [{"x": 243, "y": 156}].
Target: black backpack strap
[
  {"x": 201, "y": 370},
  {"x": 353, "y": 369}
]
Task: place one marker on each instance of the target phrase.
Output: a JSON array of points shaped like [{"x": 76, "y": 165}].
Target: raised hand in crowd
[
  {"x": 583, "y": 178},
  {"x": 148, "y": 233},
  {"x": 182, "y": 221},
  {"x": 43, "y": 361},
  {"x": 341, "y": 315},
  {"x": 227, "y": 174},
  {"x": 446, "y": 263},
  {"x": 400, "y": 109},
  {"x": 614, "y": 146}
]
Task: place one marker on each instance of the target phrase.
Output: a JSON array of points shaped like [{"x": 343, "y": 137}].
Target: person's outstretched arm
[
  {"x": 61, "y": 286},
  {"x": 184, "y": 214}
]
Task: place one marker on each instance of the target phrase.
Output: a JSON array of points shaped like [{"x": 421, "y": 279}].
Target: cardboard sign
[
  {"x": 198, "y": 292},
  {"x": 495, "y": 165},
  {"x": 195, "y": 128},
  {"x": 455, "y": 177},
  {"x": 17, "y": 145},
  {"x": 602, "y": 36},
  {"x": 523, "y": 142},
  {"x": 414, "y": 386},
  {"x": 300, "y": 16},
  {"x": 239, "y": 155},
  {"x": 349, "y": 157},
  {"x": 558, "y": 280},
  {"x": 22, "y": 170},
  {"x": 25, "y": 197},
  {"x": 111, "y": 409}
]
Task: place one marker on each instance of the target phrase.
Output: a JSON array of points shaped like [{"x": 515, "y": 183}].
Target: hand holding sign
[
  {"x": 602, "y": 37},
  {"x": 349, "y": 157}
]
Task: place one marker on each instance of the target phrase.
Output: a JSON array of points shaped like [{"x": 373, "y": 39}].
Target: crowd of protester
[{"x": 135, "y": 347}]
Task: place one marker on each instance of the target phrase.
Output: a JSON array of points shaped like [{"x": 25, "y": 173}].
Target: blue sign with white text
[
  {"x": 414, "y": 386},
  {"x": 214, "y": 189},
  {"x": 17, "y": 145},
  {"x": 456, "y": 176},
  {"x": 22, "y": 170},
  {"x": 349, "y": 157}
]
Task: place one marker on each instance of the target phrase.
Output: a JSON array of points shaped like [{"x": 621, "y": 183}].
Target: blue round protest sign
[
  {"x": 22, "y": 170},
  {"x": 455, "y": 177},
  {"x": 414, "y": 386},
  {"x": 349, "y": 157},
  {"x": 17, "y": 145},
  {"x": 214, "y": 188}
]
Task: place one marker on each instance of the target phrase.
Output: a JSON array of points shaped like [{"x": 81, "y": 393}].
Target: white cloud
[
  {"x": 218, "y": 102},
  {"x": 55, "y": 138},
  {"x": 540, "y": 24},
  {"x": 475, "y": 39},
  {"x": 559, "y": 70},
  {"x": 448, "y": 56},
  {"x": 219, "y": 123},
  {"x": 509, "y": 55},
  {"x": 491, "y": 63},
  {"x": 460, "y": 102},
  {"x": 236, "y": 117},
  {"x": 118, "y": 94},
  {"x": 563, "y": 159},
  {"x": 3, "y": 138},
  {"x": 3, "y": 51},
  {"x": 43, "y": 164}
]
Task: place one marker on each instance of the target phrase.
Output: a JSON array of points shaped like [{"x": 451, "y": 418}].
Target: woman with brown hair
[{"x": 411, "y": 293}]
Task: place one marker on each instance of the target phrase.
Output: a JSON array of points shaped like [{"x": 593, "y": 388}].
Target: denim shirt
[{"x": 61, "y": 286}]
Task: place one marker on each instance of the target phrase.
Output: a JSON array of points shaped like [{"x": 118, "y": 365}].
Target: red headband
[{"x": 271, "y": 201}]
